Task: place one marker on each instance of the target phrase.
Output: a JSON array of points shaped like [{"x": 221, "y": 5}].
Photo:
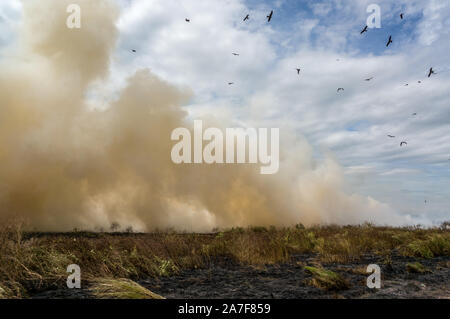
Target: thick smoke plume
[{"x": 66, "y": 165}]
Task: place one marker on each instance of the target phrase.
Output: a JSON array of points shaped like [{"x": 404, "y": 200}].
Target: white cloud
[{"x": 436, "y": 22}]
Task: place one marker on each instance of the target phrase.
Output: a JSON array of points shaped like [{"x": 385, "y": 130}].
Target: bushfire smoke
[{"x": 67, "y": 165}]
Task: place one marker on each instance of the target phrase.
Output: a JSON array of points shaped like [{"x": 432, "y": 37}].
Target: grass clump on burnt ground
[
  {"x": 326, "y": 279},
  {"x": 31, "y": 262},
  {"x": 106, "y": 288}
]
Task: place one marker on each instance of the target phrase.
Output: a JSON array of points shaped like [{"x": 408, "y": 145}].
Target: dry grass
[
  {"x": 106, "y": 288},
  {"x": 326, "y": 279},
  {"x": 34, "y": 261},
  {"x": 417, "y": 268}
]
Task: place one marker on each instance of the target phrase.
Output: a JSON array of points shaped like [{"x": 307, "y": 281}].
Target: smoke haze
[{"x": 66, "y": 165}]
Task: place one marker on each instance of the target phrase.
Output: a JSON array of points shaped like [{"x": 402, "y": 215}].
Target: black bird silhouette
[
  {"x": 187, "y": 20},
  {"x": 269, "y": 17},
  {"x": 368, "y": 79},
  {"x": 389, "y": 41},
  {"x": 134, "y": 51},
  {"x": 419, "y": 81},
  {"x": 401, "y": 16},
  {"x": 230, "y": 83},
  {"x": 431, "y": 72},
  {"x": 298, "y": 71},
  {"x": 391, "y": 136},
  {"x": 406, "y": 84},
  {"x": 414, "y": 114},
  {"x": 247, "y": 17},
  {"x": 401, "y": 144},
  {"x": 340, "y": 89},
  {"x": 364, "y": 30},
  {"x": 235, "y": 54}
]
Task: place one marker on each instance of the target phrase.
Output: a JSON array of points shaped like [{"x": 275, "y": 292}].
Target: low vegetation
[
  {"x": 107, "y": 288},
  {"x": 326, "y": 279},
  {"x": 31, "y": 261},
  {"x": 417, "y": 268}
]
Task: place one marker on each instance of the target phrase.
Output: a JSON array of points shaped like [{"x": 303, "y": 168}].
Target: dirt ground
[
  {"x": 288, "y": 281},
  {"x": 224, "y": 279}
]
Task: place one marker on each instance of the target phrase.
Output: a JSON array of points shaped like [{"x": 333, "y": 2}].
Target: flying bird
[
  {"x": 298, "y": 71},
  {"x": 401, "y": 16},
  {"x": 235, "y": 54},
  {"x": 431, "y": 72},
  {"x": 406, "y": 84},
  {"x": 340, "y": 89},
  {"x": 401, "y": 144},
  {"x": 230, "y": 83},
  {"x": 134, "y": 51},
  {"x": 364, "y": 30},
  {"x": 419, "y": 81},
  {"x": 389, "y": 41},
  {"x": 187, "y": 20},
  {"x": 368, "y": 79},
  {"x": 391, "y": 136},
  {"x": 269, "y": 17},
  {"x": 247, "y": 17},
  {"x": 414, "y": 114}
]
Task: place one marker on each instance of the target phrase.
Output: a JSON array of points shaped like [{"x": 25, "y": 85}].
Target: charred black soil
[
  {"x": 226, "y": 279},
  {"x": 291, "y": 280}
]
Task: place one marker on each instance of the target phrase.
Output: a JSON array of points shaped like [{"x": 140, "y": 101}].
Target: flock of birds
[
  {"x": 389, "y": 42},
  {"x": 247, "y": 17},
  {"x": 340, "y": 89},
  {"x": 430, "y": 72}
]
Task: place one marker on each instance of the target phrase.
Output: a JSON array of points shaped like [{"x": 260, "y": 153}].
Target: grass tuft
[
  {"x": 416, "y": 268},
  {"x": 106, "y": 288},
  {"x": 326, "y": 279}
]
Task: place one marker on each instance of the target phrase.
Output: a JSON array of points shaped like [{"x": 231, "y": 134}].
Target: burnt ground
[
  {"x": 288, "y": 281},
  {"x": 225, "y": 279}
]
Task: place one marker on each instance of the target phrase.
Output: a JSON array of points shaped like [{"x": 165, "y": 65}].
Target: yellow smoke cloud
[{"x": 65, "y": 165}]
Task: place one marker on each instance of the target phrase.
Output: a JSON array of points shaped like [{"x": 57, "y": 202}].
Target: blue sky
[
  {"x": 351, "y": 126},
  {"x": 330, "y": 14}
]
